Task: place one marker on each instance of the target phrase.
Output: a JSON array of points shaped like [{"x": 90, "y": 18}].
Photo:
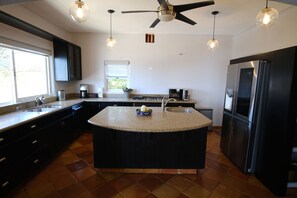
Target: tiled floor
[{"x": 72, "y": 175}]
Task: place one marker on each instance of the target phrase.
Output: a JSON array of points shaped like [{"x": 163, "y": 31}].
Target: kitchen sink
[
  {"x": 43, "y": 108},
  {"x": 179, "y": 109}
]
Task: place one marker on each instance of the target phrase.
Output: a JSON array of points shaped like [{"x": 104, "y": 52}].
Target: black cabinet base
[{"x": 173, "y": 150}]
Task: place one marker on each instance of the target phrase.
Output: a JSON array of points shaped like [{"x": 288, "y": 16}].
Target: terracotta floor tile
[
  {"x": 104, "y": 191},
  {"x": 150, "y": 183},
  {"x": 86, "y": 153},
  {"x": 235, "y": 172},
  {"x": 215, "y": 174},
  {"x": 93, "y": 181},
  {"x": 78, "y": 150},
  {"x": 206, "y": 182},
  {"x": 110, "y": 176},
  {"x": 118, "y": 196},
  {"x": 164, "y": 177},
  {"x": 75, "y": 190},
  {"x": 135, "y": 191},
  {"x": 179, "y": 182},
  {"x": 70, "y": 159},
  {"x": 137, "y": 176},
  {"x": 220, "y": 167},
  {"x": 195, "y": 191},
  {"x": 122, "y": 182},
  {"x": 225, "y": 191},
  {"x": 151, "y": 196},
  {"x": 63, "y": 181},
  {"x": 84, "y": 173},
  {"x": 75, "y": 145},
  {"x": 182, "y": 196},
  {"x": 76, "y": 165},
  {"x": 22, "y": 193},
  {"x": 166, "y": 191},
  {"x": 41, "y": 190},
  {"x": 246, "y": 188},
  {"x": 58, "y": 173}
]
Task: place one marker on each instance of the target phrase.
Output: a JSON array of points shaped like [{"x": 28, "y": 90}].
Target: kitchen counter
[
  {"x": 126, "y": 119},
  {"x": 10, "y": 120}
]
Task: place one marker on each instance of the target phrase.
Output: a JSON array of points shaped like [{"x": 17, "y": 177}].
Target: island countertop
[{"x": 126, "y": 119}]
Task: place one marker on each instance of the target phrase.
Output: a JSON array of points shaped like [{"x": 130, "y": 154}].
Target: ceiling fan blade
[
  {"x": 155, "y": 23},
  {"x": 185, "y": 19},
  {"x": 185, "y": 7},
  {"x": 161, "y": 2},
  {"x": 138, "y": 11}
]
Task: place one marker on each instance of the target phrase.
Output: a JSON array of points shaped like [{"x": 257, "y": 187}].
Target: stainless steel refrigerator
[{"x": 243, "y": 101}]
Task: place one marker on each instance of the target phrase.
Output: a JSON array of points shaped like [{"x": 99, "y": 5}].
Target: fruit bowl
[{"x": 144, "y": 113}]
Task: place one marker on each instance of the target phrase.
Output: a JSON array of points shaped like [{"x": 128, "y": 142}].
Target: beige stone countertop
[
  {"x": 126, "y": 119},
  {"x": 14, "y": 119},
  {"x": 133, "y": 100}
]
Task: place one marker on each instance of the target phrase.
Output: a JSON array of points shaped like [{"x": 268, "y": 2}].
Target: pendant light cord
[
  {"x": 266, "y": 3},
  {"x": 110, "y": 25},
  {"x": 214, "y": 25}
]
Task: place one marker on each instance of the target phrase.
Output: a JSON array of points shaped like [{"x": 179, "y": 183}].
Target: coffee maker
[{"x": 83, "y": 91}]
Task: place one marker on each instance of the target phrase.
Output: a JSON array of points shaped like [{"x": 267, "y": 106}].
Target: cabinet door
[
  {"x": 74, "y": 62},
  {"x": 239, "y": 141},
  {"x": 61, "y": 60},
  {"x": 225, "y": 133}
]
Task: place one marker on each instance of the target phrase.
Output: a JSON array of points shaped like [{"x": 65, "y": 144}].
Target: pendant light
[
  {"x": 110, "y": 41},
  {"x": 213, "y": 43},
  {"x": 79, "y": 11},
  {"x": 266, "y": 17}
]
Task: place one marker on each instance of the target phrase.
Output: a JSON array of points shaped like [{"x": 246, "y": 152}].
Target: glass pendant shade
[
  {"x": 79, "y": 11},
  {"x": 212, "y": 44},
  {"x": 110, "y": 42},
  {"x": 267, "y": 17}
]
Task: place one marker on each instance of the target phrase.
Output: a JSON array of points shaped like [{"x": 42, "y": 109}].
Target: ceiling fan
[{"x": 168, "y": 12}]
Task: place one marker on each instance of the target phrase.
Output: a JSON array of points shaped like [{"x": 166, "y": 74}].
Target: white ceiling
[{"x": 235, "y": 16}]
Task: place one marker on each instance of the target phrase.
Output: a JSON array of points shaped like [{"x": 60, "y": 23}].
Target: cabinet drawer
[
  {"x": 9, "y": 181},
  {"x": 34, "y": 162},
  {"x": 31, "y": 127},
  {"x": 8, "y": 157},
  {"x": 7, "y": 136},
  {"x": 33, "y": 142}
]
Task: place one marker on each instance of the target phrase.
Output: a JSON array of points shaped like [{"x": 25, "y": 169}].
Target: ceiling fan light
[
  {"x": 212, "y": 44},
  {"x": 166, "y": 13},
  {"x": 79, "y": 11},
  {"x": 110, "y": 42},
  {"x": 267, "y": 17}
]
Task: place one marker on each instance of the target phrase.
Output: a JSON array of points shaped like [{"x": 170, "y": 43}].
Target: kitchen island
[{"x": 170, "y": 139}]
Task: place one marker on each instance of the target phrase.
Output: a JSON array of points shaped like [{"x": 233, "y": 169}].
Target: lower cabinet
[{"x": 28, "y": 148}]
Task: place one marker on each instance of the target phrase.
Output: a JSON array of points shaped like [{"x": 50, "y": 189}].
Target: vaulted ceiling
[{"x": 235, "y": 16}]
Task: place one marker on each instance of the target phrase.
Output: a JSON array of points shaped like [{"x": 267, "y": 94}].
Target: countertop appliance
[
  {"x": 242, "y": 112},
  {"x": 83, "y": 91},
  {"x": 176, "y": 94},
  {"x": 61, "y": 95}
]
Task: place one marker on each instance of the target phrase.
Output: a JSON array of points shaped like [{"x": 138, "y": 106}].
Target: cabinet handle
[
  {"x": 34, "y": 142},
  {"x": 36, "y": 161},
  {"x": 5, "y": 184},
  {"x": 33, "y": 126},
  {"x": 2, "y": 159},
  {"x": 1, "y": 139}
]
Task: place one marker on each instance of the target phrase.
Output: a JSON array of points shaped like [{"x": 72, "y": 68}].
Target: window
[
  {"x": 24, "y": 74},
  {"x": 116, "y": 75}
]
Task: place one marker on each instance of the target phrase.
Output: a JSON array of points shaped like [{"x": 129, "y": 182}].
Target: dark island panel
[{"x": 176, "y": 150}]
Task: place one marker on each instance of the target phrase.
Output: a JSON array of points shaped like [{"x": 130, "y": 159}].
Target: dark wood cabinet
[{"x": 67, "y": 59}]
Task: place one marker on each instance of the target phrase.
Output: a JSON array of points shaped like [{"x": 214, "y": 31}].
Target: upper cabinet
[{"x": 67, "y": 59}]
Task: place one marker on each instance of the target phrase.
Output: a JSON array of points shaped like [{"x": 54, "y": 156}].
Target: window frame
[
  {"x": 121, "y": 76},
  {"x": 23, "y": 47}
]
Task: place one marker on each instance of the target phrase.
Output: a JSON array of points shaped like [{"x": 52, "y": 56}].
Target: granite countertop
[
  {"x": 10, "y": 120},
  {"x": 126, "y": 119},
  {"x": 14, "y": 119}
]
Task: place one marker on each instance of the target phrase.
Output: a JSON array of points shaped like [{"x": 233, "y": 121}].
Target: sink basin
[
  {"x": 43, "y": 108},
  {"x": 179, "y": 109}
]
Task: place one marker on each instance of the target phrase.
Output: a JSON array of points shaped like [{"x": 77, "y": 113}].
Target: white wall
[
  {"x": 283, "y": 34},
  {"x": 173, "y": 61}
]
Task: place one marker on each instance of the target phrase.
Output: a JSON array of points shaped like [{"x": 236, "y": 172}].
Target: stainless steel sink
[
  {"x": 179, "y": 109},
  {"x": 42, "y": 108}
]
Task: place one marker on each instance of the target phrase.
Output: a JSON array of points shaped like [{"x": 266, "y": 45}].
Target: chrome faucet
[
  {"x": 164, "y": 102},
  {"x": 39, "y": 100}
]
